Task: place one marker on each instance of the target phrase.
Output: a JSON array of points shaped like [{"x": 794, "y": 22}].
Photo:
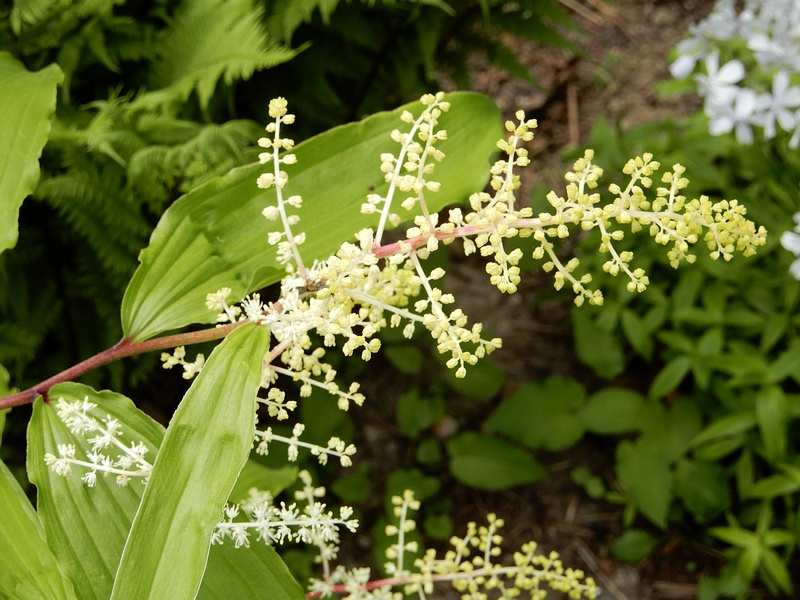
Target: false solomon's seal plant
[{"x": 127, "y": 509}]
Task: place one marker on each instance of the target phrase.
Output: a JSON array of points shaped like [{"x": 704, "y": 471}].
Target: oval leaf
[
  {"x": 612, "y": 411},
  {"x": 215, "y": 236},
  {"x": 644, "y": 472},
  {"x": 206, "y": 445},
  {"x": 488, "y": 463},
  {"x": 27, "y": 104},
  {"x": 86, "y": 527}
]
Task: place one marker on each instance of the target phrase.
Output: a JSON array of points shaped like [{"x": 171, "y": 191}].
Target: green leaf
[
  {"x": 256, "y": 475},
  {"x": 612, "y": 410},
  {"x": 484, "y": 380},
  {"x": 637, "y": 333},
  {"x": 729, "y": 425},
  {"x": 596, "y": 347},
  {"x": 773, "y": 486},
  {"x": 775, "y": 570},
  {"x": 215, "y": 236},
  {"x": 207, "y": 40},
  {"x": 488, "y": 463},
  {"x": 27, "y": 104},
  {"x": 415, "y": 414},
  {"x": 204, "y": 449},
  {"x": 633, "y": 545},
  {"x": 787, "y": 364},
  {"x": 735, "y": 536},
  {"x": 670, "y": 377},
  {"x": 254, "y": 572},
  {"x": 29, "y": 568},
  {"x": 541, "y": 414},
  {"x": 644, "y": 472},
  {"x": 404, "y": 357},
  {"x": 771, "y": 414},
  {"x": 86, "y": 527},
  {"x": 703, "y": 487}
]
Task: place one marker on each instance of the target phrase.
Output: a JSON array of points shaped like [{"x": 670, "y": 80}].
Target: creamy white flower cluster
[
  {"x": 108, "y": 454},
  {"x": 178, "y": 357},
  {"x": 278, "y": 524},
  {"x": 470, "y": 567},
  {"x": 366, "y": 285},
  {"x": 757, "y": 86}
]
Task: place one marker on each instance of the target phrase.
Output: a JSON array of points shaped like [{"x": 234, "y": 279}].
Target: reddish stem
[
  {"x": 123, "y": 348},
  {"x": 126, "y": 347}
]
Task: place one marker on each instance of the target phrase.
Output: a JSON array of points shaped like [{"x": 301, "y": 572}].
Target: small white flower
[
  {"x": 718, "y": 85},
  {"x": 740, "y": 116}
]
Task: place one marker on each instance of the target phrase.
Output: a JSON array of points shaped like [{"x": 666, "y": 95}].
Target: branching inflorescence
[{"x": 368, "y": 285}]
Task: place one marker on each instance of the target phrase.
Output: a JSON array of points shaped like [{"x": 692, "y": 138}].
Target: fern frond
[
  {"x": 209, "y": 40},
  {"x": 95, "y": 205},
  {"x": 288, "y": 15},
  {"x": 160, "y": 172}
]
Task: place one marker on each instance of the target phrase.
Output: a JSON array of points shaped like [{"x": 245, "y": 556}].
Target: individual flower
[
  {"x": 779, "y": 105},
  {"x": 791, "y": 241},
  {"x": 718, "y": 85},
  {"x": 739, "y": 116}
]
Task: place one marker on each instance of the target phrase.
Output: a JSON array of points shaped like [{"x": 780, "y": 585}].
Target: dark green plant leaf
[
  {"x": 775, "y": 570},
  {"x": 488, "y": 463},
  {"x": 637, "y": 334},
  {"x": 771, "y": 414},
  {"x": 29, "y": 568},
  {"x": 483, "y": 382},
  {"x": 633, "y": 545},
  {"x": 415, "y": 414},
  {"x": 730, "y": 425},
  {"x": 404, "y": 357},
  {"x": 27, "y": 104},
  {"x": 596, "y": 347},
  {"x": 204, "y": 449},
  {"x": 215, "y": 236},
  {"x": 612, "y": 411},
  {"x": 643, "y": 470},
  {"x": 670, "y": 377},
  {"x": 703, "y": 488},
  {"x": 670, "y": 429},
  {"x": 541, "y": 414},
  {"x": 773, "y": 486}
]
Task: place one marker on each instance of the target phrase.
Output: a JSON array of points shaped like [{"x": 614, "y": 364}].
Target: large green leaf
[
  {"x": 215, "y": 236},
  {"x": 27, "y": 103},
  {"x": 29, "y": 568},
  {"x": 207, "y": 444},
  {"x": 70, "y": 510},
  {"x": 86, "y": 527}
]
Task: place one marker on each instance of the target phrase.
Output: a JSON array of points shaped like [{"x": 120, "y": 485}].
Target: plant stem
[{"x": 123, "y": 348}]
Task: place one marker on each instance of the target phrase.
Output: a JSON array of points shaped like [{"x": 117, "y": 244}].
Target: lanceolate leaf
[
  {"x": 86, "y": 527},
  {"x": 215, "y": 236},
  {"x": 204, "y": 449},
  {"x": 29, "y": 568},
  {"x": 27, "y": 103}
]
